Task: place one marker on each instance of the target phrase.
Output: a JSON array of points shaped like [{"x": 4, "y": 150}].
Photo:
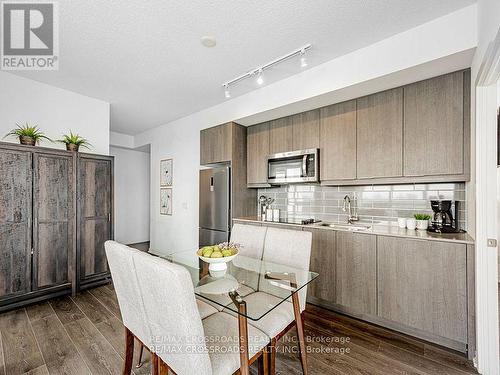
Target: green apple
[
  {"x": 216, "y": 254},
  {"x": 227, "y": 253},
  {"x": 207, "y": 252}
]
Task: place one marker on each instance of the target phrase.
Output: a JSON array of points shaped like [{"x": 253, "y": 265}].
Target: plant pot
[
  {"x": 72, "y": 147},
  {"x": 411, "y": 224},
  {"x": 25, "y": 140},
  {"x": 422, "y": 224}
]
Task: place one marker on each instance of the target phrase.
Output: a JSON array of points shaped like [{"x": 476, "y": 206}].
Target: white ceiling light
[
  {"x": 227, "y": 93},
  {"x": 259, "y": 70},
  {"x": 303, "y": 60},
  {"x": 260, "y": 79},
  {"x": 208, "y": 41}
]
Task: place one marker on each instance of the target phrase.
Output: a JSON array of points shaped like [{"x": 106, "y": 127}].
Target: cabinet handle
[{"x": 109, "y": 217}]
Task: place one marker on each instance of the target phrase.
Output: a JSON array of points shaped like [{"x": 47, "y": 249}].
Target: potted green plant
[
  {"x": 422, "y": 221},
  {"x": 27, "y": 134},
  {"x": 74, "y": 141}
]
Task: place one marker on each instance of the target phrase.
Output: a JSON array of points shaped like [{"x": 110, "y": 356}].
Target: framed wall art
[
  {"x": 166, "y": 201},
  {"x": 166, "y": 172}
]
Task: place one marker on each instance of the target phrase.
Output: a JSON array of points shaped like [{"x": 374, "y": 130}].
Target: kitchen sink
[{"x": 353, "y": 227}]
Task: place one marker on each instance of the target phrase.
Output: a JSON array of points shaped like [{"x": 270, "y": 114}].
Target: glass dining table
[{"x": 231, "y": 288}]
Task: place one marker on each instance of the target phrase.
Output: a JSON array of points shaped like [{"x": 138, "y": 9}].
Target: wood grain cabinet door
[
  {"x": 422, "y": 284},
  {"x": 380, "y": 135},
  {"x": 338, "y": 141},
  {"x": 323, "y": 262},
  {"x": 94, "y": 211},
  {"x": 215, "y": 144},
  {"x": 257, "y": 152},
  {"x": 15, "y": 223},
  {"x": 434, "y": 126},
  {"x": 281, "y": 135},
  {"x": 356, "y": 272},
  {"x": 53, "y": 219},
  {"x": 305, "y": 130}
]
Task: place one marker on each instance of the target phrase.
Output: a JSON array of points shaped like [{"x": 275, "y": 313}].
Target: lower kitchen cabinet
[
  {"x": 323, "y": 262},
  {"x": 423, "y": 285},
  {"x": 356, "y": 272},
  {"x": 423, "y": 288}
]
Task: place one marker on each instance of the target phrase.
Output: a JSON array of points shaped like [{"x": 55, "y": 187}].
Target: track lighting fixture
[{"x": 260, "y": 70}]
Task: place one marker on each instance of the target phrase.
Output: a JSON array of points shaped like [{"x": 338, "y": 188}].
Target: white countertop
[{"x": 382, "y": 230}]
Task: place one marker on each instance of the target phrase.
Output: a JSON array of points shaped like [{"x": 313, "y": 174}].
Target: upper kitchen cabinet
[
  {"x": 305, "y": 130},
  {"x": 215, "y": 144},
  {"x": 436, "y": 126},
  {"x": 281, "y": 135},
  {"x": 338, "y": 142},
  {"x": 257, "y": 151},
  {"x": 227, "y": 143},
  {"x": 379, "y": 148}
]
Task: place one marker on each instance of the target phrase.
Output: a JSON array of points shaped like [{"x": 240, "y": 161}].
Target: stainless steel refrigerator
[{"x": 215, "y": 205}]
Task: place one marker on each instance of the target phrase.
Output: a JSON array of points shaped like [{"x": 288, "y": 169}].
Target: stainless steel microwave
[{"x": 293, "y": 167}]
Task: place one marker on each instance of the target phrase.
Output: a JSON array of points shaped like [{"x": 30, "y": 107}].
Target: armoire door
[
  {"x": 95, "y": 207},
  {"x": 15, "y": 223},
  {"x": 53, "y": 219}
]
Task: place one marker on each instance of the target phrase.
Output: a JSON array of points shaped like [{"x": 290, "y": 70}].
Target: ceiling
[{"x": 146, "y": 59}]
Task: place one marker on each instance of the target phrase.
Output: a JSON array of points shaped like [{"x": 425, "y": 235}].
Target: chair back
[
  {"x": 172, "y": 315},
  {"x": 251, "y": 238},
  {"x": 291, "y": 248},
  {"x": 126, "y": 285}
]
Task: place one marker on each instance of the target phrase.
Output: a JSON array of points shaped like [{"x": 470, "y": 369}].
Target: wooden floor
[{"x": 84, "y": 335}]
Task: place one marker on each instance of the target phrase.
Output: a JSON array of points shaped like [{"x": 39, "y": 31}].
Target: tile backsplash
[{"x": 377, "y": 204}]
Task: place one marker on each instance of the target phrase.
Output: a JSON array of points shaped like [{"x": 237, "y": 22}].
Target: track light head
[
  {"x": 303, "y": 60},
  {"x": 227, "y": 93},
  {"x": 260, "y": 79}
]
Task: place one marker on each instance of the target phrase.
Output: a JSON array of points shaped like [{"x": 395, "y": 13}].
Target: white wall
[
  {"x": 132, "y": 181},
  {"x": 430, "y": 49},
  {"x": 54, "y": 110}
]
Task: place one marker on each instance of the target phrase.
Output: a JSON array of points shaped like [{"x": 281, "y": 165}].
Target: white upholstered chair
[
  {"x": 128, "y": 294},
  {"x": 129, "y": 298},
  {"x": 251, "y": 238},
  {"x": 290, "y": 248},
  {"x": 183, "y": 341}
]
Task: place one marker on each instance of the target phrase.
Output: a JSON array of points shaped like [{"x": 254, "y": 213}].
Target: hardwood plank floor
[
  {"x": 84, "y": 335},
  {"x": 20, "y": 349},
  {"x": 59, "y": 352}
]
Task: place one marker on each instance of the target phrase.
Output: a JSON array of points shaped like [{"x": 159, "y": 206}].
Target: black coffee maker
[{"x": 443, "y": 220}]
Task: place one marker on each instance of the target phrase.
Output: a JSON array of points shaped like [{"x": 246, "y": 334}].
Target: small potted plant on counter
[
  {"x": 28, "y": 134},
  {"x": 73, "y": 141},
  {"x": 422, "y": 221}
]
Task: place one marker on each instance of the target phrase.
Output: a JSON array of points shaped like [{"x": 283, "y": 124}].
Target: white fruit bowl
[{"x": 217, "y": 266}]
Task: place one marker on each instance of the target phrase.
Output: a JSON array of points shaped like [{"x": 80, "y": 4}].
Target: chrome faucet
[{"x": 352, "y": 213}]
